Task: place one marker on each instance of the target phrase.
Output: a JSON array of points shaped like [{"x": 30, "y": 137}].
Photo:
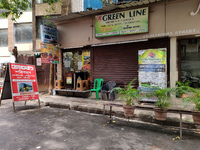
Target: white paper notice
[
  {"x": 79, "y": 65},
  {"x": 67, "y": 64},
  {"x": 38, "y": 60}
]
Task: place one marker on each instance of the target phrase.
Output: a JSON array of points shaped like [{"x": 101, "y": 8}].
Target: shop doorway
[
  {"x": 190, "y": 61},
  {"x": 76, "y": 67}
]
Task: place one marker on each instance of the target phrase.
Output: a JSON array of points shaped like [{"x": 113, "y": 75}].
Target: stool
[
  {"x": 81, "y": 85},
  {"x": 59, "y": 84},
  {"x": 87, "y": 84}
]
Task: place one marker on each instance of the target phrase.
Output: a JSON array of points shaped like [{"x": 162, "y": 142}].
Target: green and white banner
[
  {"x": 121, "y": 23},
  {"x": 152, "y": 68}
]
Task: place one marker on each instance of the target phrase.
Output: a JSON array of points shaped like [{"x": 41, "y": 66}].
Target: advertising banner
[
  {"x": 121, "y": 23},
  {"x": 68, "y": 80},
  {"x": 49, "y": 54},
  {"x": 23, "y": 82},
  {"x": 86, "y": 60},
  {"x": 48, "y": 34},
  {"x": 152, "y": 68}
]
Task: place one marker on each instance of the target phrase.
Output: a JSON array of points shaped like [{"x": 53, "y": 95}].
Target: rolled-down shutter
[{"x": 119, "y": 62}]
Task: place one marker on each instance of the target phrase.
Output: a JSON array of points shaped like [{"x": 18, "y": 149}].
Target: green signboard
[{"x": 122, "y": 23}]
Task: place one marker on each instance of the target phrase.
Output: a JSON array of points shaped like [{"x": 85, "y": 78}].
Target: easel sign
[{"x": 21, "y": 82}]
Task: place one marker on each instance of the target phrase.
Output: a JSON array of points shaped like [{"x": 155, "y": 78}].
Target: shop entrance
[
  {"x": 190, "y": 61},
  {"x": 76, "y": 69}
]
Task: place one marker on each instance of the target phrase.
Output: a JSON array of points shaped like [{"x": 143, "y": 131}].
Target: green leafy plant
[
  {"x": 128, "y": 93},
  {"x": 163, "y": 96},
  {"x": 104, "y": 2},
  {"x": 194, "y": 98},
  {"x": 15, "y": 8},
  {"x": 182, "y": 88}
]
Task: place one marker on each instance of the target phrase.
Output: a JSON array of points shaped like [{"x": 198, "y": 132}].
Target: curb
[{"x": 144, "y": 118}]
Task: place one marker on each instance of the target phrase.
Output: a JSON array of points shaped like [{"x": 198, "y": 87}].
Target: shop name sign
[
  {"x": 122, "y": 23},
  {"x": 194, "y": 13}
]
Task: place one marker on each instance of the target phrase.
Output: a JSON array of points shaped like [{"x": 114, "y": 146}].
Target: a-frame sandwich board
[{"x": 20, "y": 83}]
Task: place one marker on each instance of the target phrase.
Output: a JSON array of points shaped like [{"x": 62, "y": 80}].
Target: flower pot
[
  {"x": 160, "y": 114},
  {"x": 128, "y": 111},
  {"x": 196, "y": 117},
  {"x": 183, "y": 95}
]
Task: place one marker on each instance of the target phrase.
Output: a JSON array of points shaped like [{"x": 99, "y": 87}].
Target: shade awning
[{"x": 104, "y": 9}]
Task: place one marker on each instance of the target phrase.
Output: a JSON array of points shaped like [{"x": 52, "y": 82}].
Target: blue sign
[{"x": 48, "y": 34}]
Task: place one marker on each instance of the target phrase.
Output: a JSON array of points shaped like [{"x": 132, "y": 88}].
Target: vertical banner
[
  {"x": 49, "y": 54},
  {"x": 86, "y": 60},
  {"x": 23, "y": 82},
  {"x": 152, "y": 68}
]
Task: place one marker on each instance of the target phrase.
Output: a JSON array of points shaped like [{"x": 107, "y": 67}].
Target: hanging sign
[
  {"x": 121, "y": 23},
  {"x": 48, "y": 34},
  {"x": 152, "y": 68},
  {"x": 49, "y": 54},
  {"x": 85, "y": 60}
]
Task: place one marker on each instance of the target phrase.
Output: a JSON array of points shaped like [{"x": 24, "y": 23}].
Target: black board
[{"x": 6, "y": 93}]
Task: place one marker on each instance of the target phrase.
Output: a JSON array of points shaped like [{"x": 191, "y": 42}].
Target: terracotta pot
[
  {"x": 160, "y": 114},
  {"x": 196, "y": 117},
  {"x": 128, "y": 111},
  {"x": 183, "y": 95}
]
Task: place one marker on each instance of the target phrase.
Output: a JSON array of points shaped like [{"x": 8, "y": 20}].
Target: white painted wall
[
  {"x": 38, "y": 41},
  {"x": 40, "y": 9},
  {"x": 24, "y": 47},
  {"x": 9, "y": 59},
  {"x": 77, "y": 5},
  {"x": 4, "y": 51},
  {"x": 3, "y": 23},
  {"x": 26, "y": 17}
]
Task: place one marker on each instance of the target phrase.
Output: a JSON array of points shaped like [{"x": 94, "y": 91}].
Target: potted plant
[
  {"x": 182, "y": 88},
  {"x": 195, "y": 98},
  {"x": 163, "y": 101},
  {"x": 128, "y": 94}
]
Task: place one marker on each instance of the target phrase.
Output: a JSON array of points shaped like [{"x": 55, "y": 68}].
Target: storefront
[
  {"x": 76, "y": 66},
  {"x": 119, "y": 62},
  {"x": 190, "y": 61},
  {"x": 173, "y": 25}
]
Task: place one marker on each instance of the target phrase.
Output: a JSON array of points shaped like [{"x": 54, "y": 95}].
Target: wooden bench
[
  {"x": 72, "y": 91},
  {"x": 181, "y": 112}
]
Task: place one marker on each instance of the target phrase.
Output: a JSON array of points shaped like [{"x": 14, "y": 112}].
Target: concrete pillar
[
  {"x": 173, "y": 61},
  {"x": 59, "y": 67},
  {"x": 33, "y": 26},
  {"x": 10, "y": 34},
  {"x": 66, "y": 7}
]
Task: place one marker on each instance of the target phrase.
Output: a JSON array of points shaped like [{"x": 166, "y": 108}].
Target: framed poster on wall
[{"x": 152, "y": 69}]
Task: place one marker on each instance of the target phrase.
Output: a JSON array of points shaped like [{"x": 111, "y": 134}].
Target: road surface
[{"x": 48, "y": 128}]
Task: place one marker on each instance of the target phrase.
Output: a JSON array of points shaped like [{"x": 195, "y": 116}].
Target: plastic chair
[
  {"x": 107, "y": 89},
  {"x": 98, "y": 83}
]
